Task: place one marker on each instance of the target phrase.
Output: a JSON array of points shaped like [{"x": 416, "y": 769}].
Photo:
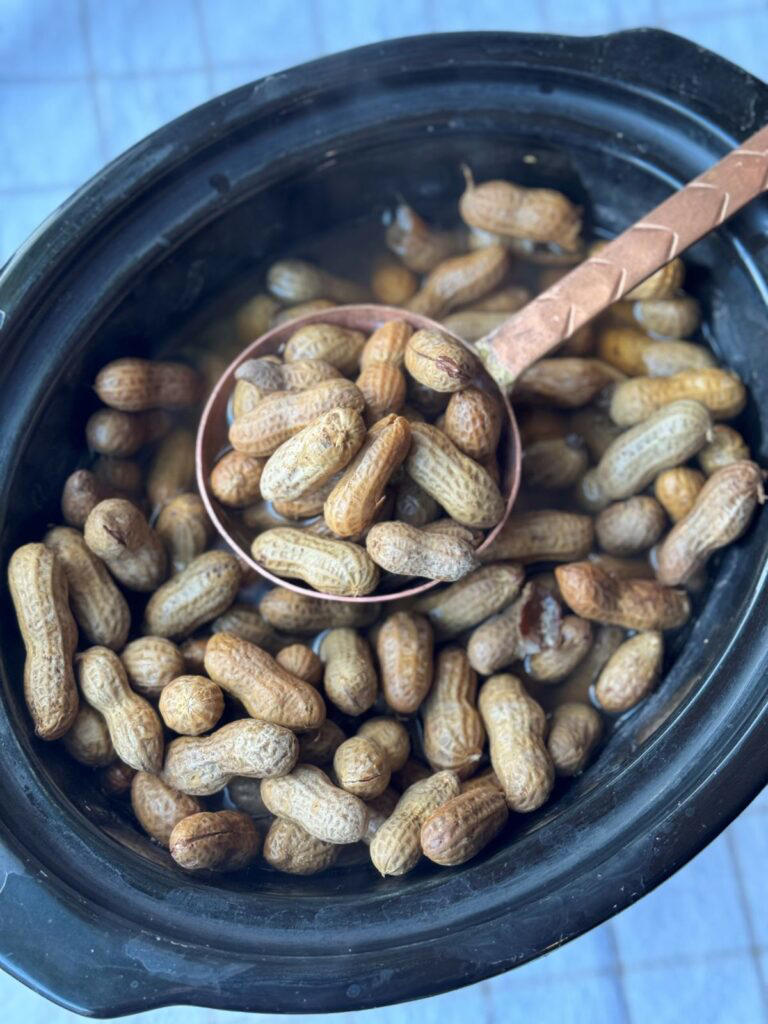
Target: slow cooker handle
[{"x": 678, "y": 222}]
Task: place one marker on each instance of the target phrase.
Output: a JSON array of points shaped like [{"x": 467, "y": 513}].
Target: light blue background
[{"x": 80, "y": 80}]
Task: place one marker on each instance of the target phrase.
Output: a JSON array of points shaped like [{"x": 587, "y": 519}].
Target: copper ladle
[{"x": 689, "y": 214}]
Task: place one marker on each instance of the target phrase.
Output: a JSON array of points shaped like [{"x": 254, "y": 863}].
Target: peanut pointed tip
[{"x": 469, "y": 177}]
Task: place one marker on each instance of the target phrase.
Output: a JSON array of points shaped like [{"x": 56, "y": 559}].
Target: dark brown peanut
[
  {"x": 575, "y": 731},
  {"x": 215, "y": 841}
]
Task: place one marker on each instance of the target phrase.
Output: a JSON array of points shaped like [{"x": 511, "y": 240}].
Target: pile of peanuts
[{"x": 283, "y": 724}]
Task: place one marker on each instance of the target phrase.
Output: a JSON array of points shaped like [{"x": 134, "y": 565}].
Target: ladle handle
[{"x": 634, "y": 255}]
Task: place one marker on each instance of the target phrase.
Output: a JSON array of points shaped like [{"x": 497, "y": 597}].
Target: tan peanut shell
[
  {"x": 631, "y": 672},
  {"x": 454, "y": 736},
  {"x": 633, "y": 604},
  {"x": 662, "y": 284},
  {"x": 295, "y": 281},
  {"x": 201, "y": 765},
  {"x": 459, "y": 280},
  {"x": 38, "y": 587},
  {"x": 191, "y": 705},
  {"x": 630, "y": 526},
  {"x": 308, "y": 798},
  {"x": 578, "y": 683},
  {"x": 404, "y": 649},
  {"x": 720, "y": 514},
  {"x": 245, "y": 397},
  {"x": 319, "y": 746},
  {"x": 725, "y": 446},
  {"x": 473, "y": 422},
  {"x": 506, "y": 299},
  {"x": 252, "y": 319},
  {"x": 202, "y": 591},
  {"x": 330, "y": 566},
  {"x": 447, "y": 527},
  {"x": 300, "y": 613},
  {"x": 235, "y": 479},
  {"x": 530, "y": 624},
  {"x": 350, "y": 679},
  {"x": 589, "y": 493},
  {"x": 596, "y": 428},
  {"x": 309, "y": 504},
  {"x": 291, "y": 849},
  {"x": 134, "y": 727},
  {"x": 676, "y": 490},
  {"x": 396, "y": 847},
  {"x": 472, "y": 324},
  {"x": 361, "y": 767},
  {"x": 566, "y": 382},
  {"x": 516, "y": 727},
  {"x": 486, "y": 779},
  {"x": 391, "y": 736},
  {"x": 410, "y": 551},
  {"x": 215, "y": 841},
  {"x": 556, "y": 463},
  {"x": 264, "y": 688},
  {"x": 282, "y": 414},
  {"x": 553, "y": 664},
  {"x": 100, "y": 610},
  {"x": 115, "y": 779},
  {"x": 669, "y": 437},
  {"x": 463, "y": 488},
  {"x": 538, "y": 214},
  {"x": 412, "y": 503},
  {"x": 383, "y": 387},
  {"x": 574, "y": 732},
  {"x": 158, "y": 807},
  {"x": 118, "y": 533},
  {"x": 637, "y": 355},
  {"x": 305, "y": 461},
  {"x": 437, "y": 361},
  {"x": 393, "y": 284},
  {"x": 301, "y": 661},
  {"x": 547, "y": 535},
  {"x": 88, "y": 740},
  {"x": 185, "y": 529},
  {"x": 719, "y": 391},
  {"x": 151, "y": 662},
  {"x": 418, "y": 245},
  {"x": 299, "y": 309},
  {"x": 297, "y": 375},
  {"x": 134, "y": 385},
  {"x": 675, "y": 317},
  {"x": 479, "y": 595},
  {"x": 458, "y": 830},
  {"x": 82, "y": 492},
  {"x": 379, "y": 809},
  {"x": 110, "y": 432},
  {"x": 172, "y": 470},
  {"x": 387, "y": 344},
  {"x": 338, "y": 346}
]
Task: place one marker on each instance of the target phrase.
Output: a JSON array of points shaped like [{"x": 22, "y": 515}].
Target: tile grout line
[
  {"x": 91, "y": 78},
  {"x": 754, "y": 947},
  {"x": 205, "y": 46},
  {"x": 618, "y": 971}
]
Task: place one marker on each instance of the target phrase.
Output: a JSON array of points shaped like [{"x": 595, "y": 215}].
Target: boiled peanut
[
  {"x": 676, "y": 317},
  {"x": 463, "y": 488},
  {"x": 235, "y": 479},
  {"x": 634, "y": 604},
  {"x": 719, "y": 391},
  {"x": 159, "y": 808},
  {"x": 506, "y": 299},
  {"x": 409, "y": 551},
  {"x": 115, "y": 779},
  {"x": 291, "y": 849},
  {"x": 530, "y": 624},
  {"x": 134, "y": 727},
  {"x": 300, "y": 309},
  {"x": 393, "y": 284},
  {"x": 565, "y": 382},
  {"x": 547, "y": 535},
  {"x": 676, "y": 490},
  {"x": 419, "y": 246},
  {"x": 215, "y": 841},
  {"x": 185, "y": 529},
  {"x": 330, "y": 566},
  {"x": 553, "y": 664},
  {"x": 297, "y": 375},
  {"x": 110, "y": 432},
  {"x": 121, "y": 477},
  {"x": 596, "y": 428},
  {"x": 196, "y": 595},
  {"x": 151, "y": 662},
  {"x": 336, "y": 345},
  {"x": 473, "y": 422},
  {"x": 631, "y": 672},
  {"x": 172, "y": 469},
  {"x": 404, "y": 649},
  {"x": 191, "y": 705},
  {"x": 396, "y": 847},
  {"x": 630, "y": 526},
  {"x": 134, "y": 385},
  {"x": 300, "y": 281},
  {"x": 117, "y": 532},
  {"x": 88, "y": 740},
  {"x": 458, "y": 830},
  {"x": 282, "y": 414},
  {"x": 387, "y": 344},
  {"x": 38, "y": 588},
  {"x": 312, "y": 456},
  {"x": 264, "y": 688},
  {"x": 453, "y": 733},
  {"x": 302, "y": 613},
  {"x": 516, "y": 727},
  {"x": 555, "y": 464},
  {"x": 391, "y": 736},
  {"x": 362, "y": 767},
  {"x": 637, "y": 355},
  {"x": 720, "y": 514},
  {"x": 350, "y": 679},
  {"x": 485, "y": 780},
  {"x": 82, "y": 492},
  {"x": 383, "y": 387},
  {"x": 479, "y": 595},
  {"x": 309, "y": 504},
  {"x": 308, "y": 798},
  {"x": 379, "y": 809},
  {"x": 201, "y": 765},
  {"x": 437, "y": 361},
  {"x": 100, "y": 609},
  {"x": 472, "y": 324},
  {"x": 539, "y": 214},
  {"x": 578, "y": 684},
  {"x": 447, "y": 527},
  {"x": 252, "y": 319},
  {"x": 301, "y": 661},
  {"x": 669, "y": 437},
  {"x": 460, "y": 280},
  {"x": 726, "y": 446},
  {"x": 412, "y": 503},
  {"x": 575, "y": 731},
  {"x": 245, "y": 397}
]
